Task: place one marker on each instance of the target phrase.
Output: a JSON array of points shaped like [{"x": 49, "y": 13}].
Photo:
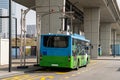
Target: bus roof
[
  {"x": 80, "y": 37},
  {"x": 76, "y": 36},
  {"x": 51, "y": 34}
]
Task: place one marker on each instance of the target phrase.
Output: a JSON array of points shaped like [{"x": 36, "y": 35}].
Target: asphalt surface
[{"x": 103, "y": 68}]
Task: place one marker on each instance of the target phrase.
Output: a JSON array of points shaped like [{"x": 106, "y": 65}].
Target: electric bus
[{"x": 64, "y": 51}]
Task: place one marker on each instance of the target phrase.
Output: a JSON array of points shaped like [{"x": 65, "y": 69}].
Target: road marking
[
  {"x": 73, "y": 75},
  {"x": 83, "y": 71},
  {"x": 61, "y": 72},
  {"x": 35, "y": 77},
  {"x": 86, "y": 70},
  {"x": 46, "y": 77},
  {"x": 29, "y": 77},
  {"x": 78, "y": 73},
  {"x": 67, "y": 77}
]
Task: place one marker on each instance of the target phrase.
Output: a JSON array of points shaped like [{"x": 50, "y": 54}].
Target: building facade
[
  {"x": 31, "y": 31},
  {"x": 4, "y": 4},
  {"x": 4, "y": 23}
]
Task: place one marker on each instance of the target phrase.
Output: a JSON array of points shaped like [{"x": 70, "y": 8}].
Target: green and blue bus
[{"x": 64, "y": 51}]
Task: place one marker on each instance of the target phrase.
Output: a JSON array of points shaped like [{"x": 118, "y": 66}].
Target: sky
[
  {"x": 31, "y": 14},
  {"x": 118, "y": 1},
  {"x": 30, "y": 17}
]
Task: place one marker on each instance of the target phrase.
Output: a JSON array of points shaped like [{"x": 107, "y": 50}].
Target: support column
[
  {"x": 114, "y": 46},
  {"x": 76, "y": 28},
  {"x": 113, "y": 36},
  {"x": 91, "y": 28},
  {"x": 105, "y": 38},
  {"x": 50, "y": 12}
]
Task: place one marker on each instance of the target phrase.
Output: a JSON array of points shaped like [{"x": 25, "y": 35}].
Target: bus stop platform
[{"x": 4, "y": 69}]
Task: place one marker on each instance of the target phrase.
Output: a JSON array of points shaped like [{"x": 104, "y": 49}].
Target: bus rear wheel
[
  {"x": 86, "y": 63},
  {"x": 77, "y": 66}
]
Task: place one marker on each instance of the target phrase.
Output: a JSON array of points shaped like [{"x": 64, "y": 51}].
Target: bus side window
[
  {"x": 72, "y": 42},
  {"x": 82, "y": 52},
  {"x": 86, "y": 48}
]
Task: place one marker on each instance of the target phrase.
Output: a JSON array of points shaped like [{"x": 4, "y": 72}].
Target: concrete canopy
[
  {"x": 27, "y": 3},
  {"x": 109, "y": 8},
  {"x": 106, "y": 14}
]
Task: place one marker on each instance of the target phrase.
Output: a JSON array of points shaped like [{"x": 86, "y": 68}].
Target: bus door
[
  {"x": 74, "y": 51},
  {"x": 82, "y": 53},
  {"x": 82, "y": 57}
]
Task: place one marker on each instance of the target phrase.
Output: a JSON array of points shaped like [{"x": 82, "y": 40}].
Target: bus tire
[
  {"x": 86, "y": 63},
  {"x": 77, "y": 66}
]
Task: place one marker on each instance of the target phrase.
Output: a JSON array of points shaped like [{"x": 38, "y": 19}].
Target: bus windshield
[{"x": 55, "y": 41}]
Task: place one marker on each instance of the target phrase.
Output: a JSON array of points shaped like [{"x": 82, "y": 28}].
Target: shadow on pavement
[{"x": 49, "y": 70}]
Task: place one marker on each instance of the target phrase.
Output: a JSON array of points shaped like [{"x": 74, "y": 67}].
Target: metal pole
[
  {"x": 71, "y": 25},
  {"x": 16, "y": 35},
  {"x": 114, "y": 41},
  {"x": 24, "y": 26},
  {"x": 38, "y": 27},
  {"x": 23, "y": 40},
  {"x": 39, "y": 38},
  {"x": 10, "y": 1},
  {"x": 21, "y": 48}
]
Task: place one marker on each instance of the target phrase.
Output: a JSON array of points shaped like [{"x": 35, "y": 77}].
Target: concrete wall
[
  {"x": 113, "y": 36},
  {"x": 4, "y": 51}
]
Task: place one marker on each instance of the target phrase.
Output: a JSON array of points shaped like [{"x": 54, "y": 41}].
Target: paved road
[{"x": 101, "y": 69}]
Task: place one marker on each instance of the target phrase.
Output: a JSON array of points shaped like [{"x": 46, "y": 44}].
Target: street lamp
[
  {"x": 10, "y": 1},
  {"x": 15, "y": 35}
]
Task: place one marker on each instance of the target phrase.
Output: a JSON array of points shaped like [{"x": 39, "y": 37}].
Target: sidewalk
[
  {"x": 108, "y": 58},
  {"x": 4, "y": 69}
]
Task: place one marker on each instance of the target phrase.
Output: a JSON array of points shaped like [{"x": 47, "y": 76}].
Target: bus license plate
[{"x": 54, "y": 64}]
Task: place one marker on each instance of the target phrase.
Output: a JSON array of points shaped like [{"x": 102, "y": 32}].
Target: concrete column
[
  {"x": 113, "y": 36},
  {"x": 76, "y": 28},
  {"x": 91, "y": 28},
  {"x": 105, "y": 38},
  {"x": 113, "y": 40},
  {"x": 50, "y": 12}
]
